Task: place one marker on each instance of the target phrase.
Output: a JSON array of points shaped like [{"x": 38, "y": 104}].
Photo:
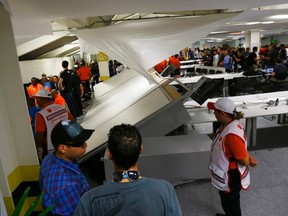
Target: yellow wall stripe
[
  {"x": 23, "y": 173},
  {"x": 104, "y": 78}
]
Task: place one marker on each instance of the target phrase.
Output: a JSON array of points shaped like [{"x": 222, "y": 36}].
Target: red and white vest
[
  {"x": 219, "y": 164},
  {"x": 53, "y": 114}
]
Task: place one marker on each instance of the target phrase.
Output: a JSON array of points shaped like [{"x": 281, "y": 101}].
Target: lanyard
[{"x": 216, "y": 138}]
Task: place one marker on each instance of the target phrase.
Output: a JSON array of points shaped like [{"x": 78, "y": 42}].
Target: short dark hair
[
  {"x": 65, "y": 64},
  {"x": 124, "y": 143}
]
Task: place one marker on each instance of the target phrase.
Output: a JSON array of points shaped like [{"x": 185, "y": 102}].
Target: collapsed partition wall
[
  {"x": 130, "y": 98},
  {"x": 135, "y": 97},
  {"x": 142, "y": 44}
]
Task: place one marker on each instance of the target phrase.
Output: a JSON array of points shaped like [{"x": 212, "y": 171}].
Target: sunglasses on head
[{"x": 131, "y": 175}]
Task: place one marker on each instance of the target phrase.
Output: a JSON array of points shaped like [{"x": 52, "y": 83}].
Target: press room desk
[
  {"x": 252, "y": 106},
  {"x": 225, "y": 76}
]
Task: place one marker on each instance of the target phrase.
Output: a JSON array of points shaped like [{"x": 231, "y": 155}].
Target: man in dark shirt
[
  {"x": 280, "y": 72},
  {"x": 65, "y": 84},
  {"x": 252, "y": 59}
]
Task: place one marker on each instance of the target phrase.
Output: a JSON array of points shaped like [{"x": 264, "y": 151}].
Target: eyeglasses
[
  {"x": 76, "y": 144},
  {"x": 131, "y": 175}
]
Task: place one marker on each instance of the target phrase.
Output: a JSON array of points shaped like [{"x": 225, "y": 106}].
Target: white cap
[
  {"x": 43, "y": 93},
  {"x": 223, "y": 104}
]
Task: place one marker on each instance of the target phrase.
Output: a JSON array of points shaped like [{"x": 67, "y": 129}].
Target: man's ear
[
  {"x": 109, "y": 155},
  {"x": 142, "y": 149},
  {"x": 61, "y": 148}
]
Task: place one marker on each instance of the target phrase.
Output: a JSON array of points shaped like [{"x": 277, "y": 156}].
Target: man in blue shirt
[
  {"x": 60, "y": 177},
  {"x": 227, "y": 62},
  {"x": 129, "y": 193}
]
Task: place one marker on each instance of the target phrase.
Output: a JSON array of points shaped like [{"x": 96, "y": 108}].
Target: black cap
[{"x": 69, "y": 132}]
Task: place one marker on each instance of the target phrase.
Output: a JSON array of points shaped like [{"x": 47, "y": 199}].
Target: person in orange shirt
[
  {"x": 58, "y": 99},
  {"x": 174, "y": 60},
  {"x": 34, "y": 87},
  {"x": 85, "y": 74},
  {"x": 229, "y": 157},
  {"x": 160, "y": 66}
]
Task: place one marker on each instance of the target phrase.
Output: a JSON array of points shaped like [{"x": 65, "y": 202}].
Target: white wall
[
  {"x": 34, "y": 68},
  {"x": 17, "y": 143}
]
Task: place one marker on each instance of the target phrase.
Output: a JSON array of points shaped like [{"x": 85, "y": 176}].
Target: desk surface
[
  {"x": 226, "y": 76},
  {"x": 190, "y": 61},
  {"x": 255, "y": 106},
  {"x": 187, "y": 66}
]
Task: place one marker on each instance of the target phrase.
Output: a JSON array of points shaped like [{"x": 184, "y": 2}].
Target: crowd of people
[
  {"x": 233, "y": 59},
  {"x": 66, "y": 188},
  {"x": 54, "y": 98},
  {"x": 61, "y": 141}
]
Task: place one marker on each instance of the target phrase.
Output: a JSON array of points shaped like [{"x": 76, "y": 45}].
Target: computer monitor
[
  {"x": 205, "y": 88},
  {"x": 269, "y": 70}
]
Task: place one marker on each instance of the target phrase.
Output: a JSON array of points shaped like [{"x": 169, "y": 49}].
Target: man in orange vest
[
  {"x": 34, "y": 87},
  {"x": 45, "y": 121}
]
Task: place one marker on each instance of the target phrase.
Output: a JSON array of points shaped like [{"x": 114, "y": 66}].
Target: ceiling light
[
  {"x": 237, "y": 33},
  {"x": 252, "y": 23},
  {"x": 218, "y": 32},
  {"x": 280, "y": 16},
  {"x": 267, "y": 22}
]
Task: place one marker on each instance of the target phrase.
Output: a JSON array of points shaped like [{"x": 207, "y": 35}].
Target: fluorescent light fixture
[
  {"x": 252, "y": 23},
  {"x": 237, "y": 33},
  {"x": 131, "y": 16},
  {"x": 280, "y": 16},
  {"x": 190, "y": 16},
  {"x": 267, "y": 22},
  {"x": 218, "y": 32}
]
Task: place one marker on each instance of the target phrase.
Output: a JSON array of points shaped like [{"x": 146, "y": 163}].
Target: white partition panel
[{"x": 130, "y": 102}]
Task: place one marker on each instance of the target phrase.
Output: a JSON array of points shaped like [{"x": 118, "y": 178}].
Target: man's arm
[
  {"x": 62, "y": 88},
  {"x": 249, "y": 160}
]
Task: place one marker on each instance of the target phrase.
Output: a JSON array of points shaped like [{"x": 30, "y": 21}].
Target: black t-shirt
[
  {"x": 251, "y": 59},
  {"x": 67, "y": 80},
  {"x": 76, "y": 83},
  {"x": 280, "y": 72}
]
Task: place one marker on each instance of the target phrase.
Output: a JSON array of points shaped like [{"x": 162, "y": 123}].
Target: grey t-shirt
[{"x": 142, "y": 197}]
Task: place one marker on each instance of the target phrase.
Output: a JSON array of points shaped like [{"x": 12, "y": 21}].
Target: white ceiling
[{"x": 34, "y": 18}]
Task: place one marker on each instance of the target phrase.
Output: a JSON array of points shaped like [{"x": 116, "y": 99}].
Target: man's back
[{"x": 141, "y": 197}]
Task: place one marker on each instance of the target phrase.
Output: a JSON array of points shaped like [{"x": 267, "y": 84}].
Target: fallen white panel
[
  {"x": 130, "y": 102},
  {"x": 118, "y": 80}
]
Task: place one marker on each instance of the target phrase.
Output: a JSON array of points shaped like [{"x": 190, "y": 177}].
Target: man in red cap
[{"x": 229, "y": 156}]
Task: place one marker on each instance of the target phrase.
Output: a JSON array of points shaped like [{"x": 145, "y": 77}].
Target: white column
[
  {"x": 247, "y": 40},
  {"x": 17, "y": 142},
  {"x": 255, "y": 39}
]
